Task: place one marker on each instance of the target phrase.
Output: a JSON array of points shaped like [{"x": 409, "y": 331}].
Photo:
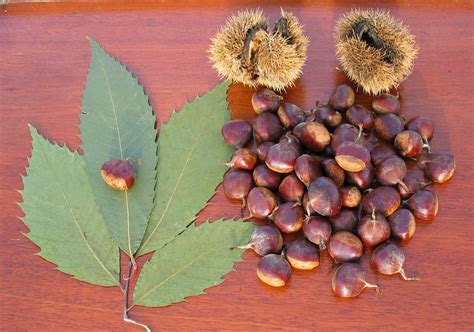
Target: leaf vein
[
  {"x": 178, "y": 182},
  {"x": 121, "y": 150},
  {"x": 73, "y": 215},
  {"x": 173, "y": 275}
]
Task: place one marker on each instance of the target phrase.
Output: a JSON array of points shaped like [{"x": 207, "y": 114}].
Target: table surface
[{"x": 44, "y": 60}]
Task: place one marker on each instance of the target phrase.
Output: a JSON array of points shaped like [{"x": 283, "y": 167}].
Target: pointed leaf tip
[
  {"x": 119, "y": 116},
  {"x": 92, "y": 42},
  {"x": 195, "y": 132},
  {"x": 33, "y": 130}
]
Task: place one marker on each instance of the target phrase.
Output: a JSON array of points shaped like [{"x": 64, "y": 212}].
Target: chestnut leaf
[
  {"x": 195, "y": 260},
  {"x": 117, "y": 122},
  {"x": 63, "y": 217},
  {"x": 190, "y": 166}
]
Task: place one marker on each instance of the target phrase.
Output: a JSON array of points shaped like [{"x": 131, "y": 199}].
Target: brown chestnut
[
  {"x": 342, "y": 97},
  {"x": 350, "y": 196},
  {"x": 324, "y": 197},
  {"x": 422, "y": 125},
  {"x": 352, "y": 157},
  {"x": 290, "y": 115},
  {"x": 118, "y": 174},
  {"x": 314, "y": 136},
  {"x": 333, "y": 171},
  {"x": 302, "y": 254},
  {"x": 317, "y": 230},
  {"x": 282, "y": 156},
  {"x": 402, "y": 224},
  {"x": 291, "y": 189},
  {"x": 265, "y": 100},
  {"x": 288, "y": 217},
  {"x": 265, "y": 177},
  {"x": 307, "y": 168},
  {"x": 345, "y": 247},
  {"x": 408, "y": 143},
  {"x": 424, "y": 205},
  {"x": 237, "y": 133},
  {"x": 386, "y": 103},
  {"x": 261, "y": 202},
  {"x": 385, "y": 200},
  {"x": 387, "y": 126},
  {"x": 439, "y": 167},
  {"x": 373, "y": 229},
  {"x": 274, "y": 270},
  {"x": 267, "y": 127},
  {"x": 243, "y": 159},
  {"x": 346, "y": 220}
]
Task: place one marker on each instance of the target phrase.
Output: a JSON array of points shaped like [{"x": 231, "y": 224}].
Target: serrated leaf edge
[
  {"x": 220, "y": 279},
  {"x": 174, "y": 113},
  {"x": 35, "y": 131},
  {"x": 92, "y": 42}
]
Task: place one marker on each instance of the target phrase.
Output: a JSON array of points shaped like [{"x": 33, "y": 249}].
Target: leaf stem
[{"x": 126, "y": 317}]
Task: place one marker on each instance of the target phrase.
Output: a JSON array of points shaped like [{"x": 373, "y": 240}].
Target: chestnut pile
[{"x": 353, "y": 180}]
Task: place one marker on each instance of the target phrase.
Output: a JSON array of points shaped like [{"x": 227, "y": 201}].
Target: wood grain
[{"x": 44, "y": 60}]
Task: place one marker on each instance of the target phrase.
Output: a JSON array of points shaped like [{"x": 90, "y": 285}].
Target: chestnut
[
  {"x": 386, "y": 103},
  {"x": 333, "y": 171},
  {"x": 302, "y": 254},
  {"x": 345, "y": 247},
  {"x": 267, "y": 127},
  {"x": 317, "y": 230},
  {"x": 265, "y": 177},
  {"x": 439, "y": 167},
  {"x": 402, "y": 224},
  {"x": 290, "y": 115},
  {"x": 360, "y": 117},
  {"x": 265, "y": 239},
  {"x": 265, "y": 100},
  {"x": 350, "y": 196},
  {"x": 243, "y": 159},
  {"x": 408, "y": 143},
  {"x": 274, "y": 270},
  {"x": 422, "y": 125},
  {"x": 388, "y": 125},
  {"x": 373, "y": 229},
  {"x": 349, "y": 280},
  {"x": 352, "y": 157},
  {"x": 237, "y": 133},
  {"x": 261, "y": 202},
  {"x": 384, "y": 200},
  {"x": 342, "y": 97},
  {"x": 314, "y": 136},
  {"x": 324, "y": 197},
  {"x": 237, "y": 184},
  {"x": 281, "y": 157},
  {"x": 346, "y": 220},
  {"x": 118, "y": 174},
  {"x": 288, "y": 217},
  {"x": 307, "y": 168},
  {"x": 291, "y": 189},
  {"x": 424, "y": 205}
]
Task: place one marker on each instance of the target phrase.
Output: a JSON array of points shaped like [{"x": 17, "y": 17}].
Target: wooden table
[{"x": 44, "y": 59}]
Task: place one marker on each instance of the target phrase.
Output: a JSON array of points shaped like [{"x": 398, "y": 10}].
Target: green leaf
[
  {"x": 117, "y": 122},
  {"x": 192, "y": 262},
  {"x": 63, "y": 218},
  {"x": 190, "y": 166}
]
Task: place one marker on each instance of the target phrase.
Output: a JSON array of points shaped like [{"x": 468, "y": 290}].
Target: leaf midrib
[
  {"x": 127, "y": 208},
  {"x": 73, "y": 215},
  {"x": 178, "y": 182},
  {"x": 172, "y": 275}
]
